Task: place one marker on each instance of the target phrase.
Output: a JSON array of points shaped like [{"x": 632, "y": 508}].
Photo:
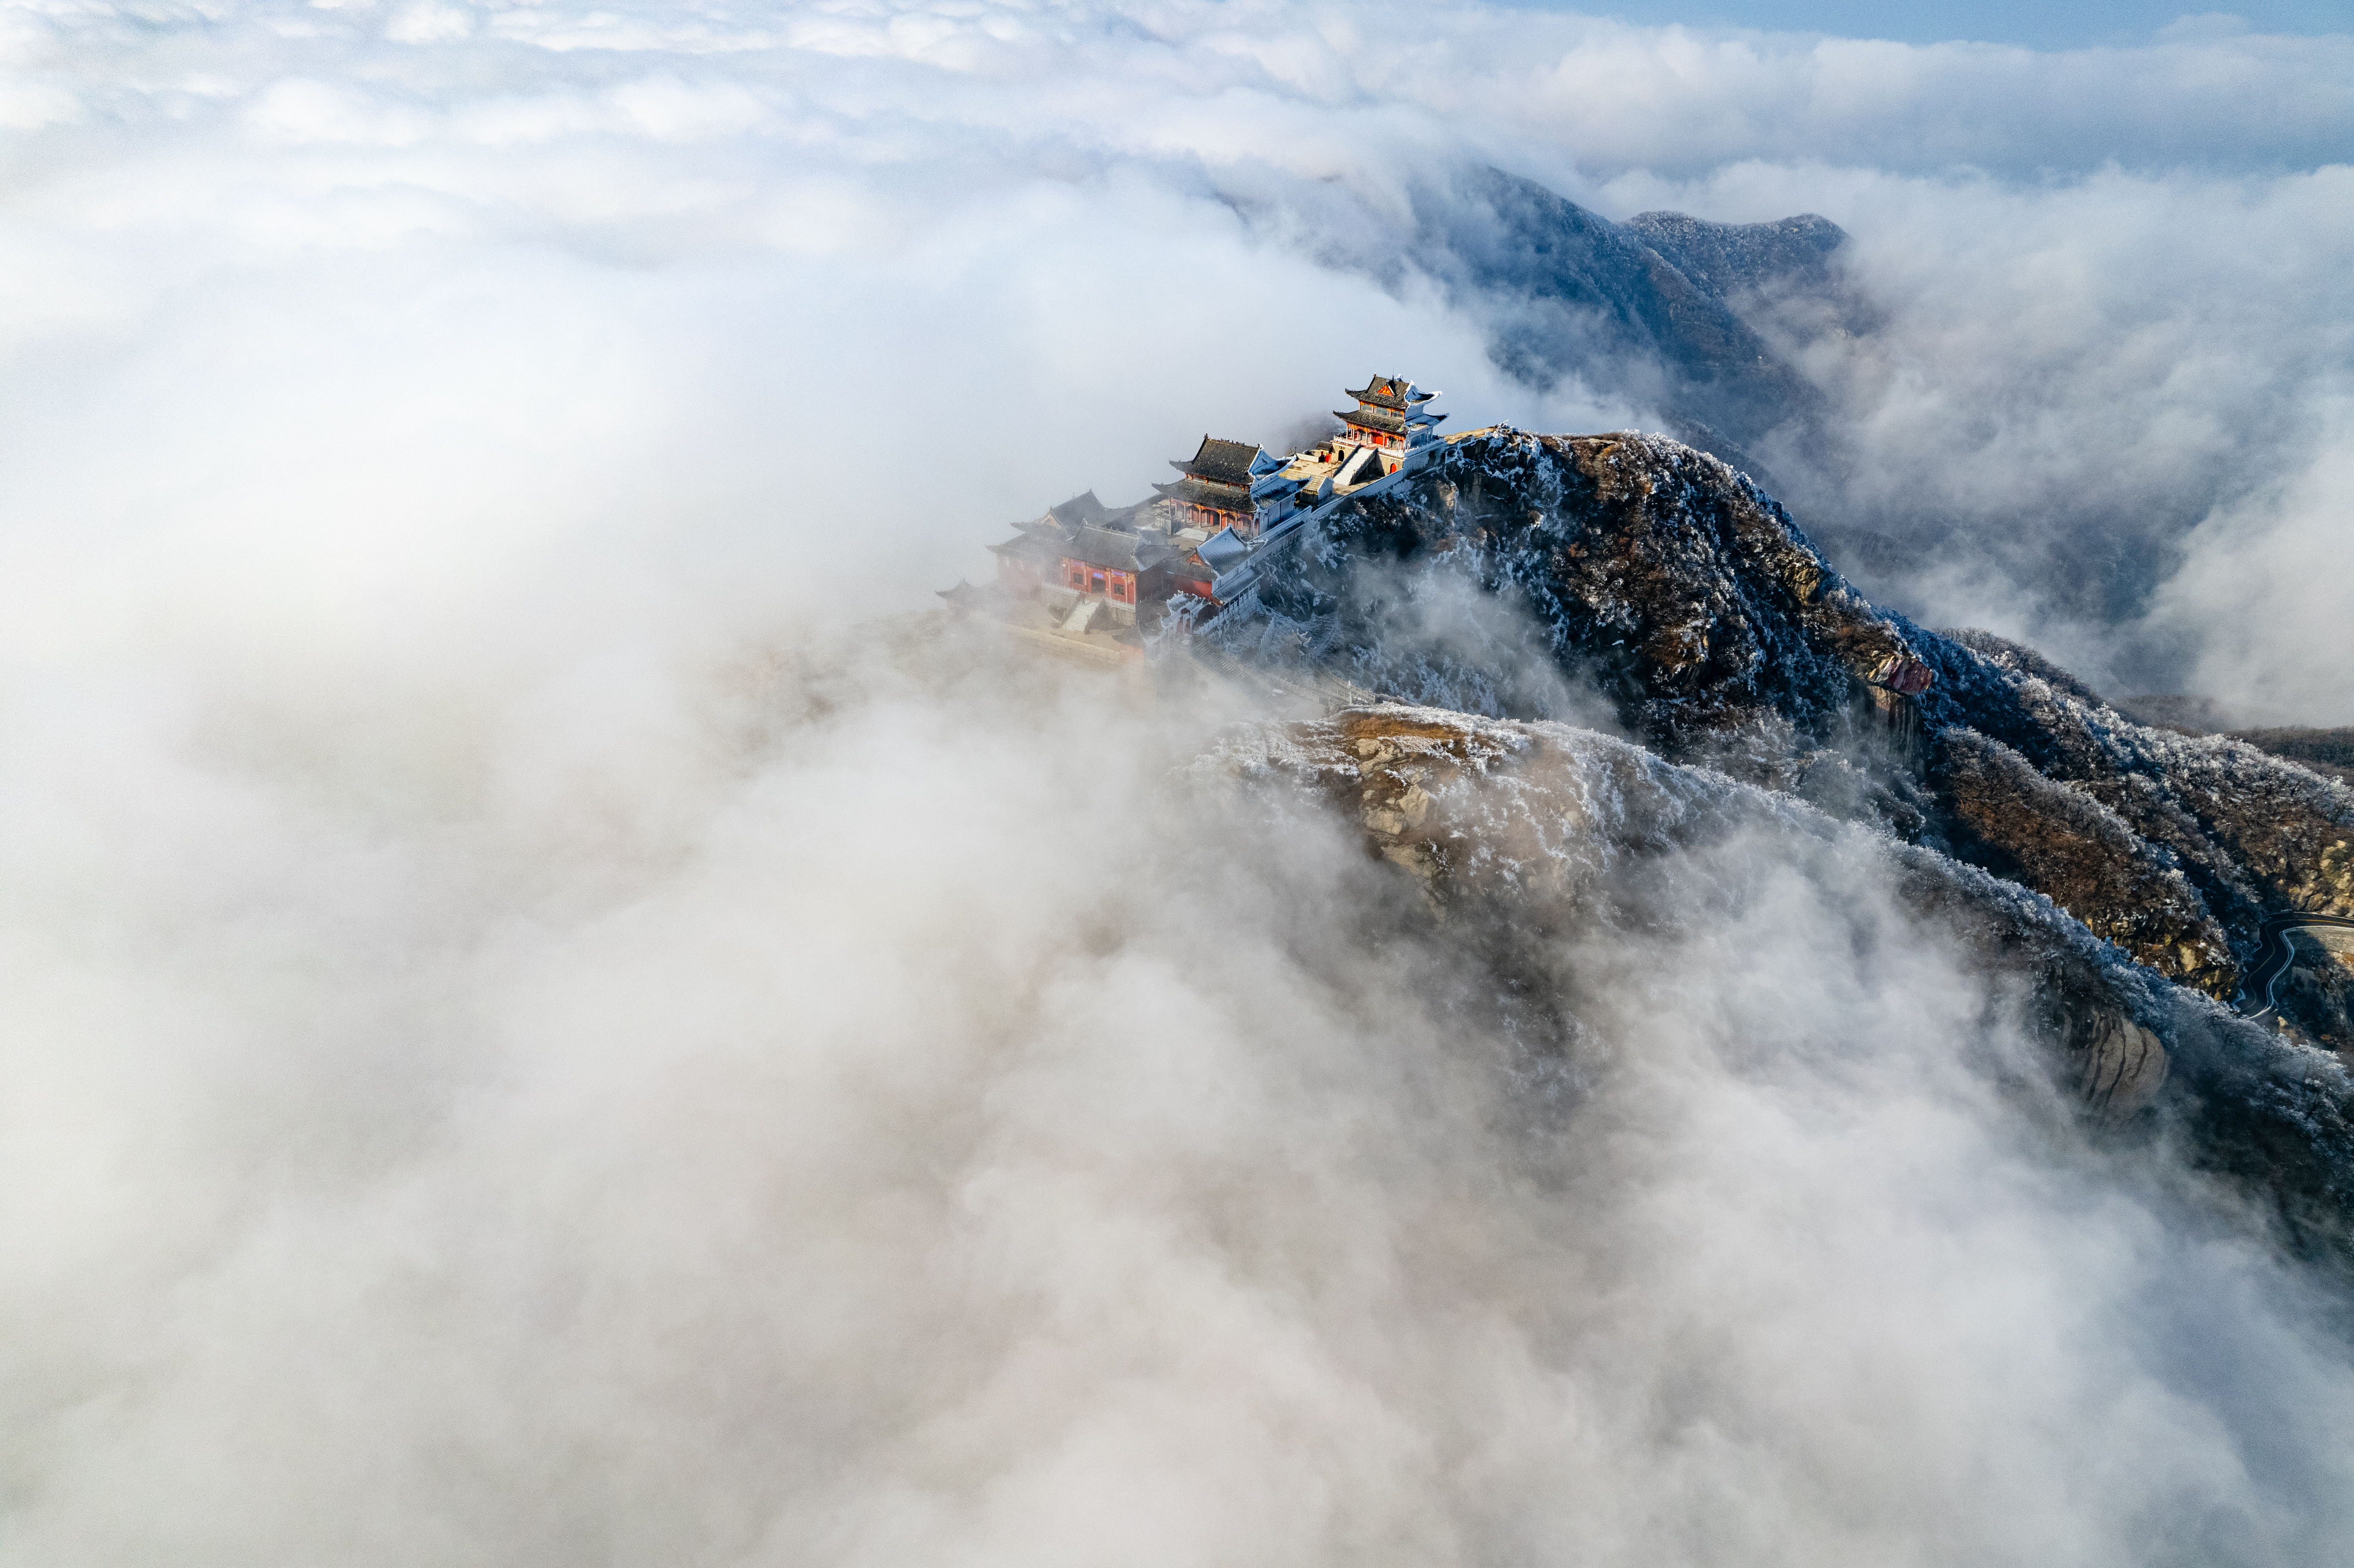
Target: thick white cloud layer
[
  {"x": 2127, "y": 360},
  {"x": 419, "y": 266},
  {"x": 506, "y": 1065},
  {"x": 2262, "y": 594},
  {"x": 782, "y": 1113}
]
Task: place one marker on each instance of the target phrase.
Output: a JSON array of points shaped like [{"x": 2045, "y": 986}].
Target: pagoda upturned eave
[
  {"x": 1392, "y": 392},
  {"x": 1219, "y": 461}
]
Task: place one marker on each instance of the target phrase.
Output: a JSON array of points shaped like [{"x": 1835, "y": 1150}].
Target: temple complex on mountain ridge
[{"x": 1090, "y": 578}]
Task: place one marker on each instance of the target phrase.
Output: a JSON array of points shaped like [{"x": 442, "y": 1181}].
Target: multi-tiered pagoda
[
  {"x": 1214, "y": 492},
  {"x": 1389, "y": 414}
]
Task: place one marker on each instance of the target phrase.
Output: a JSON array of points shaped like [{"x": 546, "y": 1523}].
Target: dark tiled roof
[
  {"x": 1226, "y": 497},
  {"x": 1115, "y": 551},
  {"x": 1383, "y": 392},
  {"x": 1376, "y": 419},
  {"x": 1220, "y": 462},
  {"x": 1077, "y": 512}
]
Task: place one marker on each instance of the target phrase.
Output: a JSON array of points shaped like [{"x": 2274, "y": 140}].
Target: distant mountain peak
[
  {"x": 1732, "y": 259},
  {"x": 1653, "y": 310}
]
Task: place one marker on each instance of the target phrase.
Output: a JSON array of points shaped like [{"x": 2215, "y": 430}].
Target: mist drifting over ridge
[
  {"x": 2122, "y": 319},
  {"x": 538, "y": 1032}
]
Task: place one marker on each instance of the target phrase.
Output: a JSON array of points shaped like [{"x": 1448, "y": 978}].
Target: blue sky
[{"x": 2034, "y": 23}]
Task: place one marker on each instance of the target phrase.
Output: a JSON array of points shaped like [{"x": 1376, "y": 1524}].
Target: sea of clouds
[
  {"x": 544, "y": 1020},
  {"x": 670, "y": 269}
]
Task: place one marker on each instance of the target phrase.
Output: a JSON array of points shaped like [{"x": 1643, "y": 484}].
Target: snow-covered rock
[
  {"x": 1526, "y": 839},
  {"x": 1520, "y": 576}
]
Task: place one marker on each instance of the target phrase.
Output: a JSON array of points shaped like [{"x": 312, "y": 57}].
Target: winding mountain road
[{"x": 2276, "y": 954}]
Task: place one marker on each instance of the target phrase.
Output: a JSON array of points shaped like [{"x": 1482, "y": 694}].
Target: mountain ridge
[
  {"x": 1510, "y": 568},
  {"x": 1658, "y": 308}
]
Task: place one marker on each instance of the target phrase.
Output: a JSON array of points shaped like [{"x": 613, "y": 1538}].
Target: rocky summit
[
  {"x": 1633, "y": 581},
  {"x": 1668, "y": 585}
]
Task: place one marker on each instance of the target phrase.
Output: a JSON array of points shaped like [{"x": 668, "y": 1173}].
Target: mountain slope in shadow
[
  {"x": 1652, "y": 310},
  {"x": 1509, "y": 572},
  {"x": 1632, "y": 582}
]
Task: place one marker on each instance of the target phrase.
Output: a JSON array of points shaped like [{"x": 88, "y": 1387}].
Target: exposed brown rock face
[
  {"x": 2067, "y": 845},
  {"x": 1654, "y": 573},
  {"x": 1482, "y": 809},
  {"x": 1697, "y": 606},
  {"x": 2257, "y": 833},
  {"x": 1517, "y": 833},
  {"x": 1533, "y": 826}
]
